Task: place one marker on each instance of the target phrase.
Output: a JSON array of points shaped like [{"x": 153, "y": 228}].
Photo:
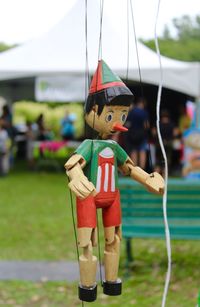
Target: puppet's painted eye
[
  {"x": 123, "y": 117},
  {"x": 109, "y": 117}
]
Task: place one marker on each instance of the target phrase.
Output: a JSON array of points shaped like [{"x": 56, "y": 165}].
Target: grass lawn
[
  {"x": 36, "y": 223},
  {"x": 35, "y": 217}
]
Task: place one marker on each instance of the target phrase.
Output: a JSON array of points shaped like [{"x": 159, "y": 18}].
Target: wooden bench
[{"x": 142, "y": 212}]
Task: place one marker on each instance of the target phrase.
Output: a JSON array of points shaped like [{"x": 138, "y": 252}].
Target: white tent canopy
[{"x": 61, "y": 53}]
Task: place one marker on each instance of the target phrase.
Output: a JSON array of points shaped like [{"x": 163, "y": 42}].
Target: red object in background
[{"x": 51, "y": 145}]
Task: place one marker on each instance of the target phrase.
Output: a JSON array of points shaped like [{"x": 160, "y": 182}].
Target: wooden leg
[
  {"x": 87, "y": 262},
  {"x": 112, "y": 284},
  {"x": 88, "y": 266},
  {"x": 111, "y": 259}
]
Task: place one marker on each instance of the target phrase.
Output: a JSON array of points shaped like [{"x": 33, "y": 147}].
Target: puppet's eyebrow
[
  {"x": 124, "y": 111},
  {"x": 110, "y": 111}
]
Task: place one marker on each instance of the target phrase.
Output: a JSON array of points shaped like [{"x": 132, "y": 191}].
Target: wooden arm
[
  {"x": 153, "y": 182},
  {"x": 79, "y": 183}
]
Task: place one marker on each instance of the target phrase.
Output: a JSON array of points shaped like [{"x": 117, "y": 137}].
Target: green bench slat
[
  {"x": 126, "y": 181},
  {"x": 129, "y": 235},
  {"x": 142, "y": 212},
  {"x": 159, "y": 201},
  {"x": 160, "y": 229},
  {"x": 159, "y": 209},
  {"x": 170, "y": 211},
  {"x": 135, "y": 221},
  {"x": 150, "y": 219},
  {"x": 152, "y": 230},
  {"x": 127, "y": 191}
]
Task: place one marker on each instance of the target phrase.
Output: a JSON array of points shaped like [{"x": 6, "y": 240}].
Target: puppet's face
[{"x": 109, "y": 121}]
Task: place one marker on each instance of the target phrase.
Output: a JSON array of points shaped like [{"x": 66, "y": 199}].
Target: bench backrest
[{"x": 142, "y": 211}]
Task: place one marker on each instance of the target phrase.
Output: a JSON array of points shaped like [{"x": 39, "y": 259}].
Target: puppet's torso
[{"x": 102, "y": 159}]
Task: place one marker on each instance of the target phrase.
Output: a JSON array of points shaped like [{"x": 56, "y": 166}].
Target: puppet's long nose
[{"x": 119, "y": 127}]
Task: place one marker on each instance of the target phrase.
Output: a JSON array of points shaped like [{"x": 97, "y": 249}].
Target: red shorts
[{"x": 111, "y": 211}]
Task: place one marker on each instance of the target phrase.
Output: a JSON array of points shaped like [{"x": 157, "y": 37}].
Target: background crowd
[
  {"x": 142, "y": 144},
  {"x": 141, "y": 140}
]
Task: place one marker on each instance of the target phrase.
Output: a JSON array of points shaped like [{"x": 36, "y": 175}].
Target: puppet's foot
[
  {"x": 112, "y": 288},
  {"x": 87, "y": 294}
]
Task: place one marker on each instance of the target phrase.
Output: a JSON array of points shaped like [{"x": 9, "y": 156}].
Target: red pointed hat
[
  {"x": 104, "y": 78},
  {"x": 107, "y": 89}
]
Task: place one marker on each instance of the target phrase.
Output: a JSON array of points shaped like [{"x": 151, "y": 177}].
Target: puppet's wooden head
[{"x": 108, "y": 102}]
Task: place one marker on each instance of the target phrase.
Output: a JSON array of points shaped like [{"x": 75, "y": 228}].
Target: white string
[
  {"x": 128, "y": 41},
  {"x": 100, "y": 35},
  {"x": 87, "y": 75},
  {"x": 167, "y": 233}
]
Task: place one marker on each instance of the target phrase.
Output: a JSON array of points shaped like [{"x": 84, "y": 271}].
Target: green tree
[
  {"x": 166, "y": 33},
  {"x": 187, "y": 27},
  {"x": 185, "y": 45}
]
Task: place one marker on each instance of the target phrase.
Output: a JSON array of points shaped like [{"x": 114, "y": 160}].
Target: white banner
[{"x": 60, "y": 88}]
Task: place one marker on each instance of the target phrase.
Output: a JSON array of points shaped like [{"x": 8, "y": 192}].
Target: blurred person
[
  {"x": 184, "y": 123},
  {"x": 30, "y": 137},
  {"x": 168, "y": 132},
  {"x": 136, "y": 137},
  {"x": 43, "y": 133},
  {"x": 184, "y": 120},
  {"x": 191, "y": 160},
  {"x": 67, "y": 127},
  {"x": 6, "y": 118},
  {"x": 5, "y": 144},
  {"x": 40, "y": 128},
  {"x": 177, "y": 151}
]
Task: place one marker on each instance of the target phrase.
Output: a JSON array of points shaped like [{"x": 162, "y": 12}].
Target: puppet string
[
  {"x": 99, "y": 250},
  {"x": 74, "y": 226},
  {"x": 93, "y": 125},
  {"x": 140, "y": 74},
  {"x": 167, "y": 233},
  {"x": 128, "y": 42},
  {"x": 86, "y": 90},
  {"x": 99, "y": 51},
  {"x": 99, "y": 57},
  {"x": 100, "y": 34},
  {"x": 73, "y": 220},
  {"x": 136, "y": 48},
  {"x": 87, "y": 77}
]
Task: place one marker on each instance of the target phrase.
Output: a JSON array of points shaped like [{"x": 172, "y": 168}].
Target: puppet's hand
[
  {"x": 155, "y": 183},
  {"x": 82, "y": 187}
]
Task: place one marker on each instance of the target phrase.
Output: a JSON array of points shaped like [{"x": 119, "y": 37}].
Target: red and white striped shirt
[{"x": 106, "y": 171}]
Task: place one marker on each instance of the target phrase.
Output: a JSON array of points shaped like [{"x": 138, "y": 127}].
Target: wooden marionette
[{"x": 93, "y": 175}]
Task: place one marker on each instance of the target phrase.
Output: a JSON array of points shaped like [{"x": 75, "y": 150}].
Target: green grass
[
  {"x": 140, "y": 291},
  {"x": 36, "y": 223},
  {"x": 35, "y": 217}
]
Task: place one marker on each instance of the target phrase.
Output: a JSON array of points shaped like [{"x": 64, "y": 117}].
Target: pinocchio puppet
[{"x": 93, "y": 175}]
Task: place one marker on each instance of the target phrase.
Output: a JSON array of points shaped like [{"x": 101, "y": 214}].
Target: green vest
[{"x": 90, "y": 150}]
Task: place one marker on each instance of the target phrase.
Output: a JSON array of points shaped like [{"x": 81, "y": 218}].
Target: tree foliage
[
  {"x": 187, "y": 27},
  {"x": 185, "y": 45}
]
